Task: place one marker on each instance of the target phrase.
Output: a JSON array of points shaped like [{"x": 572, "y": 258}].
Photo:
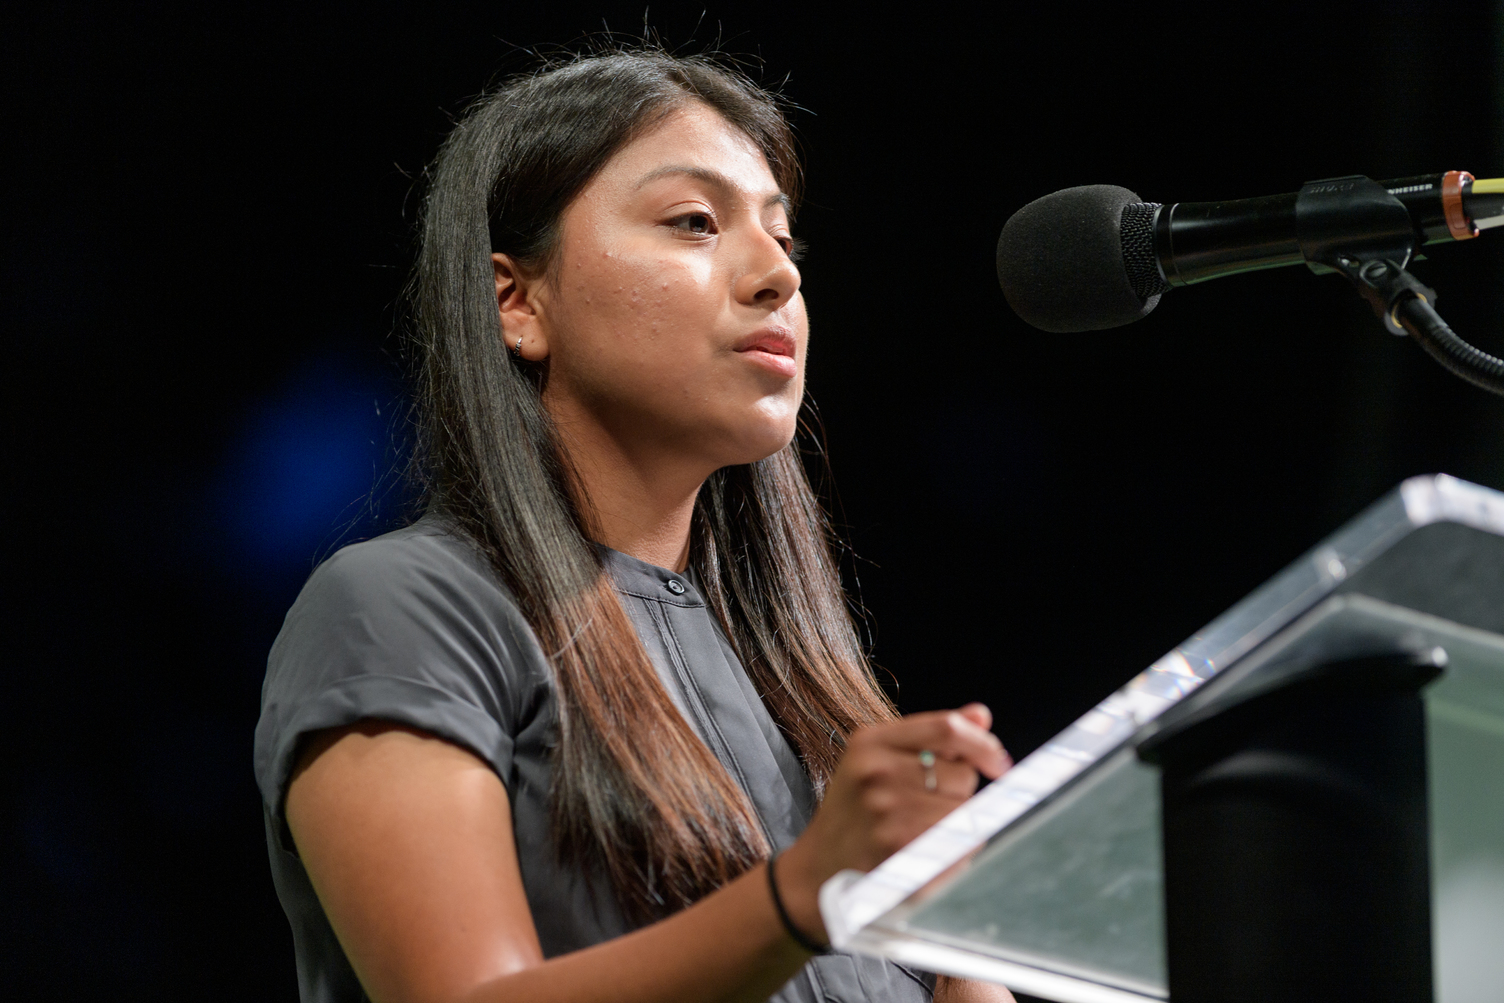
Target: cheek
[{"x": 616, "y": 302}]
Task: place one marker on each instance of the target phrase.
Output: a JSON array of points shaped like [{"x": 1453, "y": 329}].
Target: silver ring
[
  {"x": 517, "y": 350},
  {"x": 927, "y": 760}
]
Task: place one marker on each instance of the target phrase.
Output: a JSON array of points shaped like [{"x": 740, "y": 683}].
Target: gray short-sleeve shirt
[{"x": 413, "y": 627}]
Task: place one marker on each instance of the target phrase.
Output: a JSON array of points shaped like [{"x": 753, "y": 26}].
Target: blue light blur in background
[{"x": 315, "y": 465}]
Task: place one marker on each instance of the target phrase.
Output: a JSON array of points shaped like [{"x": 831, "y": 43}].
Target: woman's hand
[{"x": 878, "y": 800}]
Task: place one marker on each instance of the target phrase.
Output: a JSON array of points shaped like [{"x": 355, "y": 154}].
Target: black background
[{"x": 206, "y": 228}]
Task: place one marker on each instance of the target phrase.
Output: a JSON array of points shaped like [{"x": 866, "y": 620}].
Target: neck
[{"x": 636, "y": 499}]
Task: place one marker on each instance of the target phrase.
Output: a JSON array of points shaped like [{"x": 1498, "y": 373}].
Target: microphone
[{"x": 1098, "y": 256}]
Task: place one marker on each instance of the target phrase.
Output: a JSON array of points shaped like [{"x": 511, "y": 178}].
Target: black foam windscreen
[{"x": 1060, "y": 262}]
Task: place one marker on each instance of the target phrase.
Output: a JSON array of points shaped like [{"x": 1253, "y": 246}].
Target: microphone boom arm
[{"x": 1406, "y": 306}]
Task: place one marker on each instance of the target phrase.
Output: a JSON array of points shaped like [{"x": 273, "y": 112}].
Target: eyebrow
[{"x": 715, "y": 179}]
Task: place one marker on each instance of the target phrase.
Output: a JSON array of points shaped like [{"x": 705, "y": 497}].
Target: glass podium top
[{"x": 1049, "y": 880}]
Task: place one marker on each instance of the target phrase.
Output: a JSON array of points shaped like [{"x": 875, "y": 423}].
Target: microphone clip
[
  {"x": 1354, "y": 226},
  {"x": 1352, "y": 218},
  {"x": 1406, "y": 306},
  {"x": 1384, "y": 284}
]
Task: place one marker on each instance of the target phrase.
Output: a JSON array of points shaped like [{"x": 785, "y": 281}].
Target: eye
[
  {"x": 698, "y": 223},
  {"x": 793, "y": 247}
]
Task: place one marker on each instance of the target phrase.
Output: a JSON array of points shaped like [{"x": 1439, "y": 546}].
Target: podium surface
[{"x": 1052, "y": 879}]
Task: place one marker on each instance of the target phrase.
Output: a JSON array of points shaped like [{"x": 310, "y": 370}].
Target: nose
[{"x": 770, "y": 278}]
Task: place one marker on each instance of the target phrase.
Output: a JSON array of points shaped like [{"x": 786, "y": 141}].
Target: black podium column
[{"x": 1295, "y": 839}]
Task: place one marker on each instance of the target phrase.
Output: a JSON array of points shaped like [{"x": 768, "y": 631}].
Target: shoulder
[
  {"x": 426, "y": 557},
  {"x": 426, "y": 580},
  {"x": 417, "y": 600},
  {"x": 412, "y": 627}
]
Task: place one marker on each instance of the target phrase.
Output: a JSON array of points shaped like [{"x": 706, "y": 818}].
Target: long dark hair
[{"x": 635, "y": 790}]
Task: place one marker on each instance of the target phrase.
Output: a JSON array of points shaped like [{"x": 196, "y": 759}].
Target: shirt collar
[{"x": 641, "y": 578}]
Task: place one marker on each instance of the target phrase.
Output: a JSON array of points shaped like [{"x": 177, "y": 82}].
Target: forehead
[{"x": 691, "y": 140}]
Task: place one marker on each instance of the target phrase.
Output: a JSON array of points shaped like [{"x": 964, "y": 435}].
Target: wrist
[{"x": 795, "y": 890}]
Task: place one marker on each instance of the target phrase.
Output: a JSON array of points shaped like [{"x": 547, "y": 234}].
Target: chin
[{"x": 759, "y": 445}]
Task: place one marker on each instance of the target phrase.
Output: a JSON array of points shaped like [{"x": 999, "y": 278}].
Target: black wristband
[{"x": 783, "y": 915}]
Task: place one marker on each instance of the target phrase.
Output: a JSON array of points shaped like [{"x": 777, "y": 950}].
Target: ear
[{"x": 519, "y": 300}]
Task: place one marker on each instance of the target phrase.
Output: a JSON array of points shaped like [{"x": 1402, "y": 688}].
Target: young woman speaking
[{"x": 597, "y": 726}]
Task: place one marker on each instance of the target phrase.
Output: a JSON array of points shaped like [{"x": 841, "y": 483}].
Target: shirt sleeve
[{"x": 410, "y": 628}]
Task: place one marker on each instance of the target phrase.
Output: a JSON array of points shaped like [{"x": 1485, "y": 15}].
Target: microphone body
[
  {"x": 1095, "y": 257},
  {"x": 1197, "y": 241}
]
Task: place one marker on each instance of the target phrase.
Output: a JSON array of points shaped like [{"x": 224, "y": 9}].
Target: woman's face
[{"x": 674, "y": 323}]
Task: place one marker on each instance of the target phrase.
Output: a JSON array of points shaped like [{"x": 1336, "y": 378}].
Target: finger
[
  {"x": 979, "y": 714},
  {"x": 982, "y": 715},
  {"x": 953, "y": 779},
  {"x": 949, "y": 735}
]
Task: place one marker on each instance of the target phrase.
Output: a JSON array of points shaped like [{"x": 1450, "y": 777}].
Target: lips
[
  {"x": 774, "y": 342},
  {"x": 771, "y": 350}
]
